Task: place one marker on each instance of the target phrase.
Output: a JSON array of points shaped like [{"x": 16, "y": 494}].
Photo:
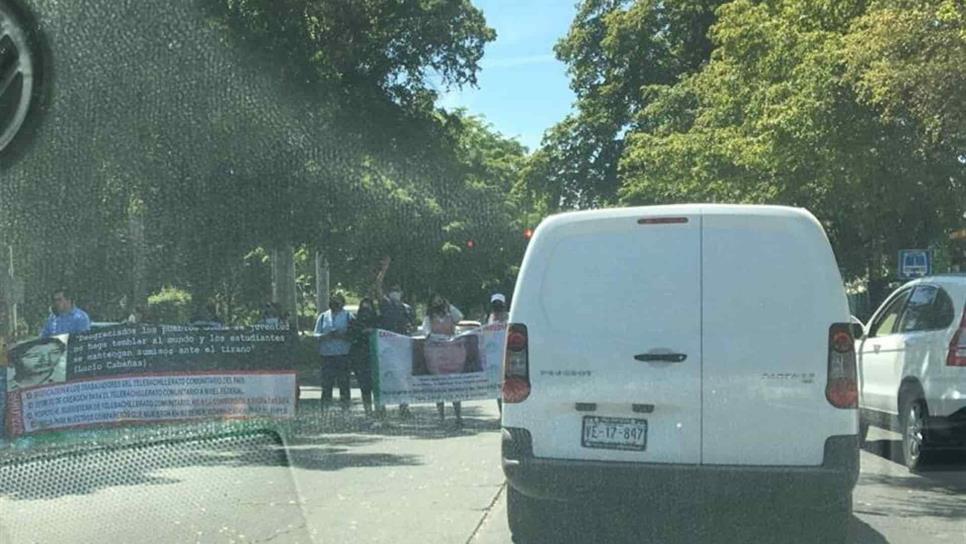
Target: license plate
[{"x": 614, "y": 433}]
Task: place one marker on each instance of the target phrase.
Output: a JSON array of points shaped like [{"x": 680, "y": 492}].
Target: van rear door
[
  {"x": 615, "y": 345},
  {"x": 771, "y": 291}
]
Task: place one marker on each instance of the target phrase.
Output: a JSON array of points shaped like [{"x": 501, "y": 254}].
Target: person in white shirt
[
  {"x": 332, "y": 329},
  {"x": 498, "y": 314},
  {"x": 498, "y": 310}
]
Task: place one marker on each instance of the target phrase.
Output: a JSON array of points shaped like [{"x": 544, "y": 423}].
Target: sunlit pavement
[{"x": 417, "y": 480}]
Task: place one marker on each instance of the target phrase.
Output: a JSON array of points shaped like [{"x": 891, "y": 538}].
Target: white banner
[
  {"x": 153, "y": 398},
  {"x": 413, "y": 370}
]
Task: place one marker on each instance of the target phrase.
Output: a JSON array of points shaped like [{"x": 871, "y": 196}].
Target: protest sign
[
  {"x": 413, "y": 370},
  {"x": 146, "y": 373}
]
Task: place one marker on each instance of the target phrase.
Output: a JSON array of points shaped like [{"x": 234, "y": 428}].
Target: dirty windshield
[{"x": 483, "y": 271}]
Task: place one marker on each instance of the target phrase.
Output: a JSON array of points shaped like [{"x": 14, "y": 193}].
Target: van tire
[
  {"x": 915, "y": 435},
  {"x": 533, "y": 520}
]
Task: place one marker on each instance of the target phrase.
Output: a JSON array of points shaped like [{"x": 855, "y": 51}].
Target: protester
[
  {"x": 394, "y": 314},
  {"x": 332, "y": 328},
  {"x": 206, "y": 317},
  {"x": 65, "y": 318},
  {"x": 498, "y": 314},
  {"x": 498, "y": 310},
  {"x": 360, "y": 328},
  {"x": 440, "y": 325},
  {"x": 271, "y": 315}
]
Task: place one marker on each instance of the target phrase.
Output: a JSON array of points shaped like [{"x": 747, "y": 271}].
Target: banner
[
  {"x": 150, "y": 373},
  {"x": 413, "y": 370}
]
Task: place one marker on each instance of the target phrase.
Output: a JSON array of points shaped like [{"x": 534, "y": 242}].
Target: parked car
[
  {"x": 912, "y": 366},
  {"x": 700, "y": 353}
]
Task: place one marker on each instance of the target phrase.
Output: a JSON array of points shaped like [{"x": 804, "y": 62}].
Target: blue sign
[{"x": 914, "y": 263}]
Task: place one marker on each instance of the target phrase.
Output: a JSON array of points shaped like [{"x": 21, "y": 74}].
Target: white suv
[
  {"x": 912, "y": 366},
  {"x": 691, "y": 353}
]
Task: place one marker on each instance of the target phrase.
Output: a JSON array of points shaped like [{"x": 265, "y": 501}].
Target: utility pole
[
  {"x": 139, "y": 296},
  {"x": 283, "y": 280},
  {"x": 321, "y": 282}
]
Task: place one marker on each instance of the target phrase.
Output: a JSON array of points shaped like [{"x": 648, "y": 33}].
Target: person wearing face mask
[
  {"x": 332, "y": 329},
  {"x": 394, "y": 315},
  {"x": 498, "y": 310},
  {"x": 440, "y": 324}
]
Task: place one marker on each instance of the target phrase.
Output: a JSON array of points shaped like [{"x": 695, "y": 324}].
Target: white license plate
[{"x": 614, "y": 433}]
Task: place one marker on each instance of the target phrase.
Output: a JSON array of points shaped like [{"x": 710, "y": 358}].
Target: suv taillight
[
  {"x": 957, "y": 346},
  {"x": 516, "y": 366},
  {"x": 841, "y": 389}
]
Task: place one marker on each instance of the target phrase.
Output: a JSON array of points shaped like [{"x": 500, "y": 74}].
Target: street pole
[
  {"x": 321, "y": 282},
  {"x": 283, "y": 280}
]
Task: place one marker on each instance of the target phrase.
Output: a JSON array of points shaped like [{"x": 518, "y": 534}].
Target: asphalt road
[{"x": 405, "y": 481}]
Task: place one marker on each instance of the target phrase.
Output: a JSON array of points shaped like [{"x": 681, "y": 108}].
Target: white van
[{"x": 679, "y": 351}]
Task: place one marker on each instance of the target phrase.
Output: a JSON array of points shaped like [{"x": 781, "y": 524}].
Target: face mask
[{"x": 396, "y": 296}]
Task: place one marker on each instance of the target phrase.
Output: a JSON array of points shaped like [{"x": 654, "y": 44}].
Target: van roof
[{"x": 680, "y": 209}]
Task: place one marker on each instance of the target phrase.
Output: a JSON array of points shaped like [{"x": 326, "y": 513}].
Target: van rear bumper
[{"x": 564, "y": 479}]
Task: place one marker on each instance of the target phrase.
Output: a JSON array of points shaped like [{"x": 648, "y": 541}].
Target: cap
[{"x": 498, "y": 297}]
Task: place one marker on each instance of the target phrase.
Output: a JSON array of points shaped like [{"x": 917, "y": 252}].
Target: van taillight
[
  {"x": 841, "y": 389},
  {"x": 957, "y": 346},
  {"x": 516, "y": 366}
]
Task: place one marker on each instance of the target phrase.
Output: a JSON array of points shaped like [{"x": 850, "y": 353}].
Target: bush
[{"x": 170, "y": 305}]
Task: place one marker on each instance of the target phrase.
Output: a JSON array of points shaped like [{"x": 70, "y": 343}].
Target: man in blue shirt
[
  {"x": 332, "y": 328},
  {"x": 66, "y": 318}
]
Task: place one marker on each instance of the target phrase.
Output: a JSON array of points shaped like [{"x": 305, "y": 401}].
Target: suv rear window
[{"x": 929, "y": 308}]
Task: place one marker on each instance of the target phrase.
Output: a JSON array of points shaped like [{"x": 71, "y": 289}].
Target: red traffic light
[{"x": 528, "y": 233}]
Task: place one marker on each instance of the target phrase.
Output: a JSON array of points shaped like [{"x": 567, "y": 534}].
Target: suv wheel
[{"x": 914, "y": 436}]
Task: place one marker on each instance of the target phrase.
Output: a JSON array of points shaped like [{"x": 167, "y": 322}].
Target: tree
[
  {"x": 908, "y": 59},
  {"x": 614, "y": 49},
  {"x": 775, "y": 118},
  {"x": 244, "y": 126}
]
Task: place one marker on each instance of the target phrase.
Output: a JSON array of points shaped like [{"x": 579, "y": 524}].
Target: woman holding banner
[{"x": 440, "y": 326}]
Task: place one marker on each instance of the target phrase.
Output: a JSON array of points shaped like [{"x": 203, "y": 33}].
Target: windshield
[{"x": 482, "y": 271}]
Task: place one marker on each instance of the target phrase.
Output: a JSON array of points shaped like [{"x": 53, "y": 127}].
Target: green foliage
[
  {"x": 907, "y": 58},
  {"x": 170, "y": 305},
  {"x": 613, "y": 50},
  {"x": 851, "y": 109}
]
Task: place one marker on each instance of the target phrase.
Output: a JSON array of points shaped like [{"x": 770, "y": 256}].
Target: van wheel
[
  {"x": 534, "y": 520},
  {"x": 915, "y": 443}
]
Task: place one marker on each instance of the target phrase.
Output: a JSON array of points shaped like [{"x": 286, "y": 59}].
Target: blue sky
[{"x": 523, "y": 90}]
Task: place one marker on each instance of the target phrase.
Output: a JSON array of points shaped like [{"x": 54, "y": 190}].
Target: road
[{"x": 405, "y": 481}]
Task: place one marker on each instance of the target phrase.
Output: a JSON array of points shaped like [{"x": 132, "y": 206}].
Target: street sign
[{"x": 914, "y": 263}]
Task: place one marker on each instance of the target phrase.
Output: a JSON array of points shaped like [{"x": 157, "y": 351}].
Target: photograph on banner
[
  {"x": 147, "y": 373},
  {"x": 418, "y": 369},
  {"x": 37, "y": 362}
]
